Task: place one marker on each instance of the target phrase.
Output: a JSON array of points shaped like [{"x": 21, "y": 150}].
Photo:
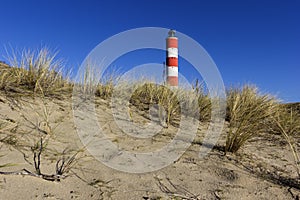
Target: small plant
[
  {"x": 105, "y": 90},
  {"x": 247, "y": 112},
  {"x": 62, "y": 168},
  {"x": 63, "y": 165}
]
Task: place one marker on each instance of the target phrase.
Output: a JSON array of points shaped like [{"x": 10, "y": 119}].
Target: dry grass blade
[
  {"x": 7, "y": 164},
  {"x": 175, "y": 191}
]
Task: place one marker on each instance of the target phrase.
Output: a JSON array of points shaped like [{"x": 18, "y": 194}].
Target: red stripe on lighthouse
[
  {"x": 172, "y": 42},
  {"x": 172, "y": 61}
]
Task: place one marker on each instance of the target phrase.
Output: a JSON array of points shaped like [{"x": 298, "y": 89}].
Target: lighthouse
[{"x": 172, "y": 59}]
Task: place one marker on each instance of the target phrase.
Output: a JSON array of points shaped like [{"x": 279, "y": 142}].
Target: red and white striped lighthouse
[{"x": 172, "y": 59}]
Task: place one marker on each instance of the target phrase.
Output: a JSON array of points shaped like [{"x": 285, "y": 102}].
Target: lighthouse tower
[{"x": 172, "y": 59}]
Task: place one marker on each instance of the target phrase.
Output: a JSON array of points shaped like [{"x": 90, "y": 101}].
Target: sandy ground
[{"x": 260, "y": 170}]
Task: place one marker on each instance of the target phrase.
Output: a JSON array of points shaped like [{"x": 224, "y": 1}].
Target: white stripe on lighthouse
[
  {"x": 172, "y": 71},
  {"x": 173, "y": 52}
]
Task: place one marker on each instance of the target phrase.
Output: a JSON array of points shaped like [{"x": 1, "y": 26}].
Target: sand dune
[{"x": 260, "y": 170}]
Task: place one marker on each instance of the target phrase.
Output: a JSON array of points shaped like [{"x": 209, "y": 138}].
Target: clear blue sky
[{"x": 250, "y": 41}]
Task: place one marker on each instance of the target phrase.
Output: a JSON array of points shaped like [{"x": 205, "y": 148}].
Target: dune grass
[
  {"x": 247, "y": 113},
  {"x": 287, "y": 123},
  {"x": 204, "y": 102},
  {"x": 171, "y": 102},
  {"x": 149, "y": 94},
  {"x": 35, "y": 72},
  {"x": 285, "y": 120}
]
